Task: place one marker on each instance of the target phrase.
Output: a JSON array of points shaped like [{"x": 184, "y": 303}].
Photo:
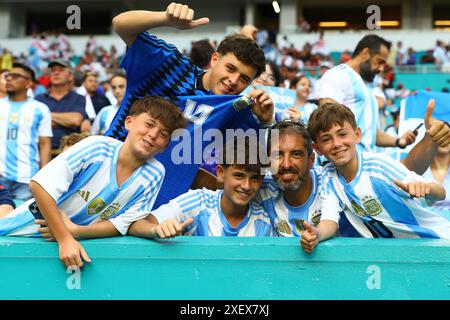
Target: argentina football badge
[{"x": 242, "y": 103}]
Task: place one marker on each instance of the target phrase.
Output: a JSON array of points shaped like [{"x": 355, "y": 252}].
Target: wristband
[{"x": 397, "y": 144}]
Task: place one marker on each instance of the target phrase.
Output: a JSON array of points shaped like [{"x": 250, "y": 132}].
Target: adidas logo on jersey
[{"x": 84, "y": 195}]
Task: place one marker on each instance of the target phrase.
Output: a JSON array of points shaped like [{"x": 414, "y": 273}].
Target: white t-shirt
[
  {"x": 103, "y": 119},
  {"x": 83, "y": 182}
]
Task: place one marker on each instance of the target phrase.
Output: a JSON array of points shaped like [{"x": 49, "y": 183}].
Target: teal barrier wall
[
  {"x": 229, "y": 268},
  {"x": 416, "y": 81}
]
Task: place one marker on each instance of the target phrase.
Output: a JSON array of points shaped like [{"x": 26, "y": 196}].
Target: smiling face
[
  {"x": 338, "y": 144},
  {"x": 303, "y": 88},
  {"x": 239, "y": 186},
  {"x": 228, "y": 75},
  {"x": 267, "y": 78},
  {"x": 146, "y": 136},
  {"x": 290, "y": 162}
]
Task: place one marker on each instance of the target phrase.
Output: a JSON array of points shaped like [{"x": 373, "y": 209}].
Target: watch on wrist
[{"x": 397, "y": 144}]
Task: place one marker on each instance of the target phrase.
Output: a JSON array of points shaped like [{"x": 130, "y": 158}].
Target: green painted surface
[{"x": 229, "y": 268}]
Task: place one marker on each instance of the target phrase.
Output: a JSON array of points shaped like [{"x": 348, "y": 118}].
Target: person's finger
[
  {"x": 428, "y": 115},
  {"x": 401, "y": 185},
  {"x": 177, "y": 11},
  {"x": 172, "y": 229},
  {"x": 443, "y": 142},
  {"x": 200, "y": 22},
  {"x": 190, "y": 15},
  {"x": 412, "y": 189},
  {"x": 165, "y": 230},
  {"x": 78, "y": 261},
  {"x": 184, "y": 13},
  {"x": 84, "y": 255},
  {"x": 186, "y": 223},
  {"x": 41, "y": 222},
  {"x": 43, "y": 230},
  {"x": 171, "y": 8},
  {"x": 160, "y": 232},
  {"x": 308, "y": 227}
]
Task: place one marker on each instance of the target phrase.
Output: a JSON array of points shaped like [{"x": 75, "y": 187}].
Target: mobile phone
[
  {"x": 34, "y": 209},
  {"x": 416, "y": 130}
]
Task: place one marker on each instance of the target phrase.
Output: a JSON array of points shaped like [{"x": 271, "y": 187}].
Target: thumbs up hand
[
  {"x": 438, "y": 131},
  {"x": 310, "y": 237}
]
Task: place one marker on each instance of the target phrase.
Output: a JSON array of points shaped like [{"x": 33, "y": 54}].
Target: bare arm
[
  {"x": 67, "y": 119},
  {"x": 149, "y": 228},
  {"x": 144, "y": 228},
  {"x": 311, "y": 236},
  {"x": 45, "y": 146},
  {"x": 70, "y": 251},
  {"x": 131, "y": 23}
]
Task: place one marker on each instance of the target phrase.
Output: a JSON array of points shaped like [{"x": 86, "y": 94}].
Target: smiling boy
[
  {"x": 100, "y": 183},
  {"x": 203, "y": 212},
  {"x": 378, "y": 196}
]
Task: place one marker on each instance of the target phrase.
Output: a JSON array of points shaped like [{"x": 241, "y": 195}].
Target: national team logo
[
  {"x": 372, "y": 206},
  {"x": 14, "y": 118},
  {"x": 96, "y": 206},
  {"x": 110, "y": 211},
  {"x": 283, "y": 227}
]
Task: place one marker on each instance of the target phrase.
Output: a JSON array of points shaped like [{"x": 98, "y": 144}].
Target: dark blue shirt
[
  {"x": 6, "y": 197},
  {"x": 156, "y": 68},
  {"x": 71, "y": 102}
]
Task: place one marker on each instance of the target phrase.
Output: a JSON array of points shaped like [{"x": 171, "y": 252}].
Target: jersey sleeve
[
  {"x": 45, "y": 125},
  {"x": 57, "y": 176},
  {"x": 185, "y": 206},
  {"x": 95, "y": 129},
  {"x": 145, "y": 54},
  {"x": 332, "y": 86},
  {"x": 329, "y": 201}
]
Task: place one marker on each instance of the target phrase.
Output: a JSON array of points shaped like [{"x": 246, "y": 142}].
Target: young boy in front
[
  {"x": 203, "y": 212},
  {"x": 99, "y": 179},
  {"x": 378, "y": 196}
]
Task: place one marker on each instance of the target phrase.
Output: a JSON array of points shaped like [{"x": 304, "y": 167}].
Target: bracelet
[{"x": 397, "y": 144}]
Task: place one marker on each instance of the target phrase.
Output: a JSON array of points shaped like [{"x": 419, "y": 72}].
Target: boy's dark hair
[
  {"x": 288, "y": 126},
  {"x": 324, "y": 117},
  {"x": 26, "y": 68},
  {"x": 245, "y": 49},
  {"x": 373, "y": 42},
  {"x": 161, "y": 109},
  {"x": 201, "y": 52},
  {"x": 242, "y": 152}
]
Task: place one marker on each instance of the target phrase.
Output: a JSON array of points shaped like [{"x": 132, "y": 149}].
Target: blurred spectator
[
  {"x": 67, "y": 107},
  {"x": 401, "y": 57},
  {"x": 302, "y": 109},
  {"x": 71, "y": 140},
  {"x": 345, "y": 56},
  {"x": 440, "y": 53},
  {"x": 411, "y": 57},
  {"x": 270, "y": 77},
  {"x": 249, "y": 31},
  {"x": 428, "y": 58},
  {"x": 201, "y": 52},
  {"x": 3, "y": 93},
  {"x": 7, "y": 60},
  {"x": 26, "y": 130},
  {"x": 303, "y": 25},
  {"x": 89, "y": 89},
  {"x": 106, "y": 115}
]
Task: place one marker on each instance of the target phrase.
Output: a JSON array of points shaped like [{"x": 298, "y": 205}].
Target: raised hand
[
  {"x": 310, "y": 237},
  {"x": 262, "y": 105},
  {"x": 182, "y": 17},
  {"x": 436, "y": 129}
]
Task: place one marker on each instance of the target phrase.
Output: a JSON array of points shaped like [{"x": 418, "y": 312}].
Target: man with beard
[
  {"x": 291, "y": 195},
  {"x": 347, "y": 84},
  {"x": 25, "y": 133}
]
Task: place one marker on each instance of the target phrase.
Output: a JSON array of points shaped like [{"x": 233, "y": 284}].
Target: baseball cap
[{"x": 60, "y": 62}]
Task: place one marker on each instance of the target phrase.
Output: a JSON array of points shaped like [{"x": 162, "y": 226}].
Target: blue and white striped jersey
[
  {"x": 103, "y": 119},
  {"x": 288, "y": 220},
  {"x": 344, "y": 85},
  {"x": 83, "y": 182},
  {"x": 374, "y": 207},
  {"x": 21, "y": 125},
  {"x": 203, "y": 206}
]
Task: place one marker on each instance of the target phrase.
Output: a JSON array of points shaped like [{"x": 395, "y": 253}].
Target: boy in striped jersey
[
  {"x": 227, "y": 212},
  {"x": 378, "y": 196},
  {"x": 99, "y": 179}
]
